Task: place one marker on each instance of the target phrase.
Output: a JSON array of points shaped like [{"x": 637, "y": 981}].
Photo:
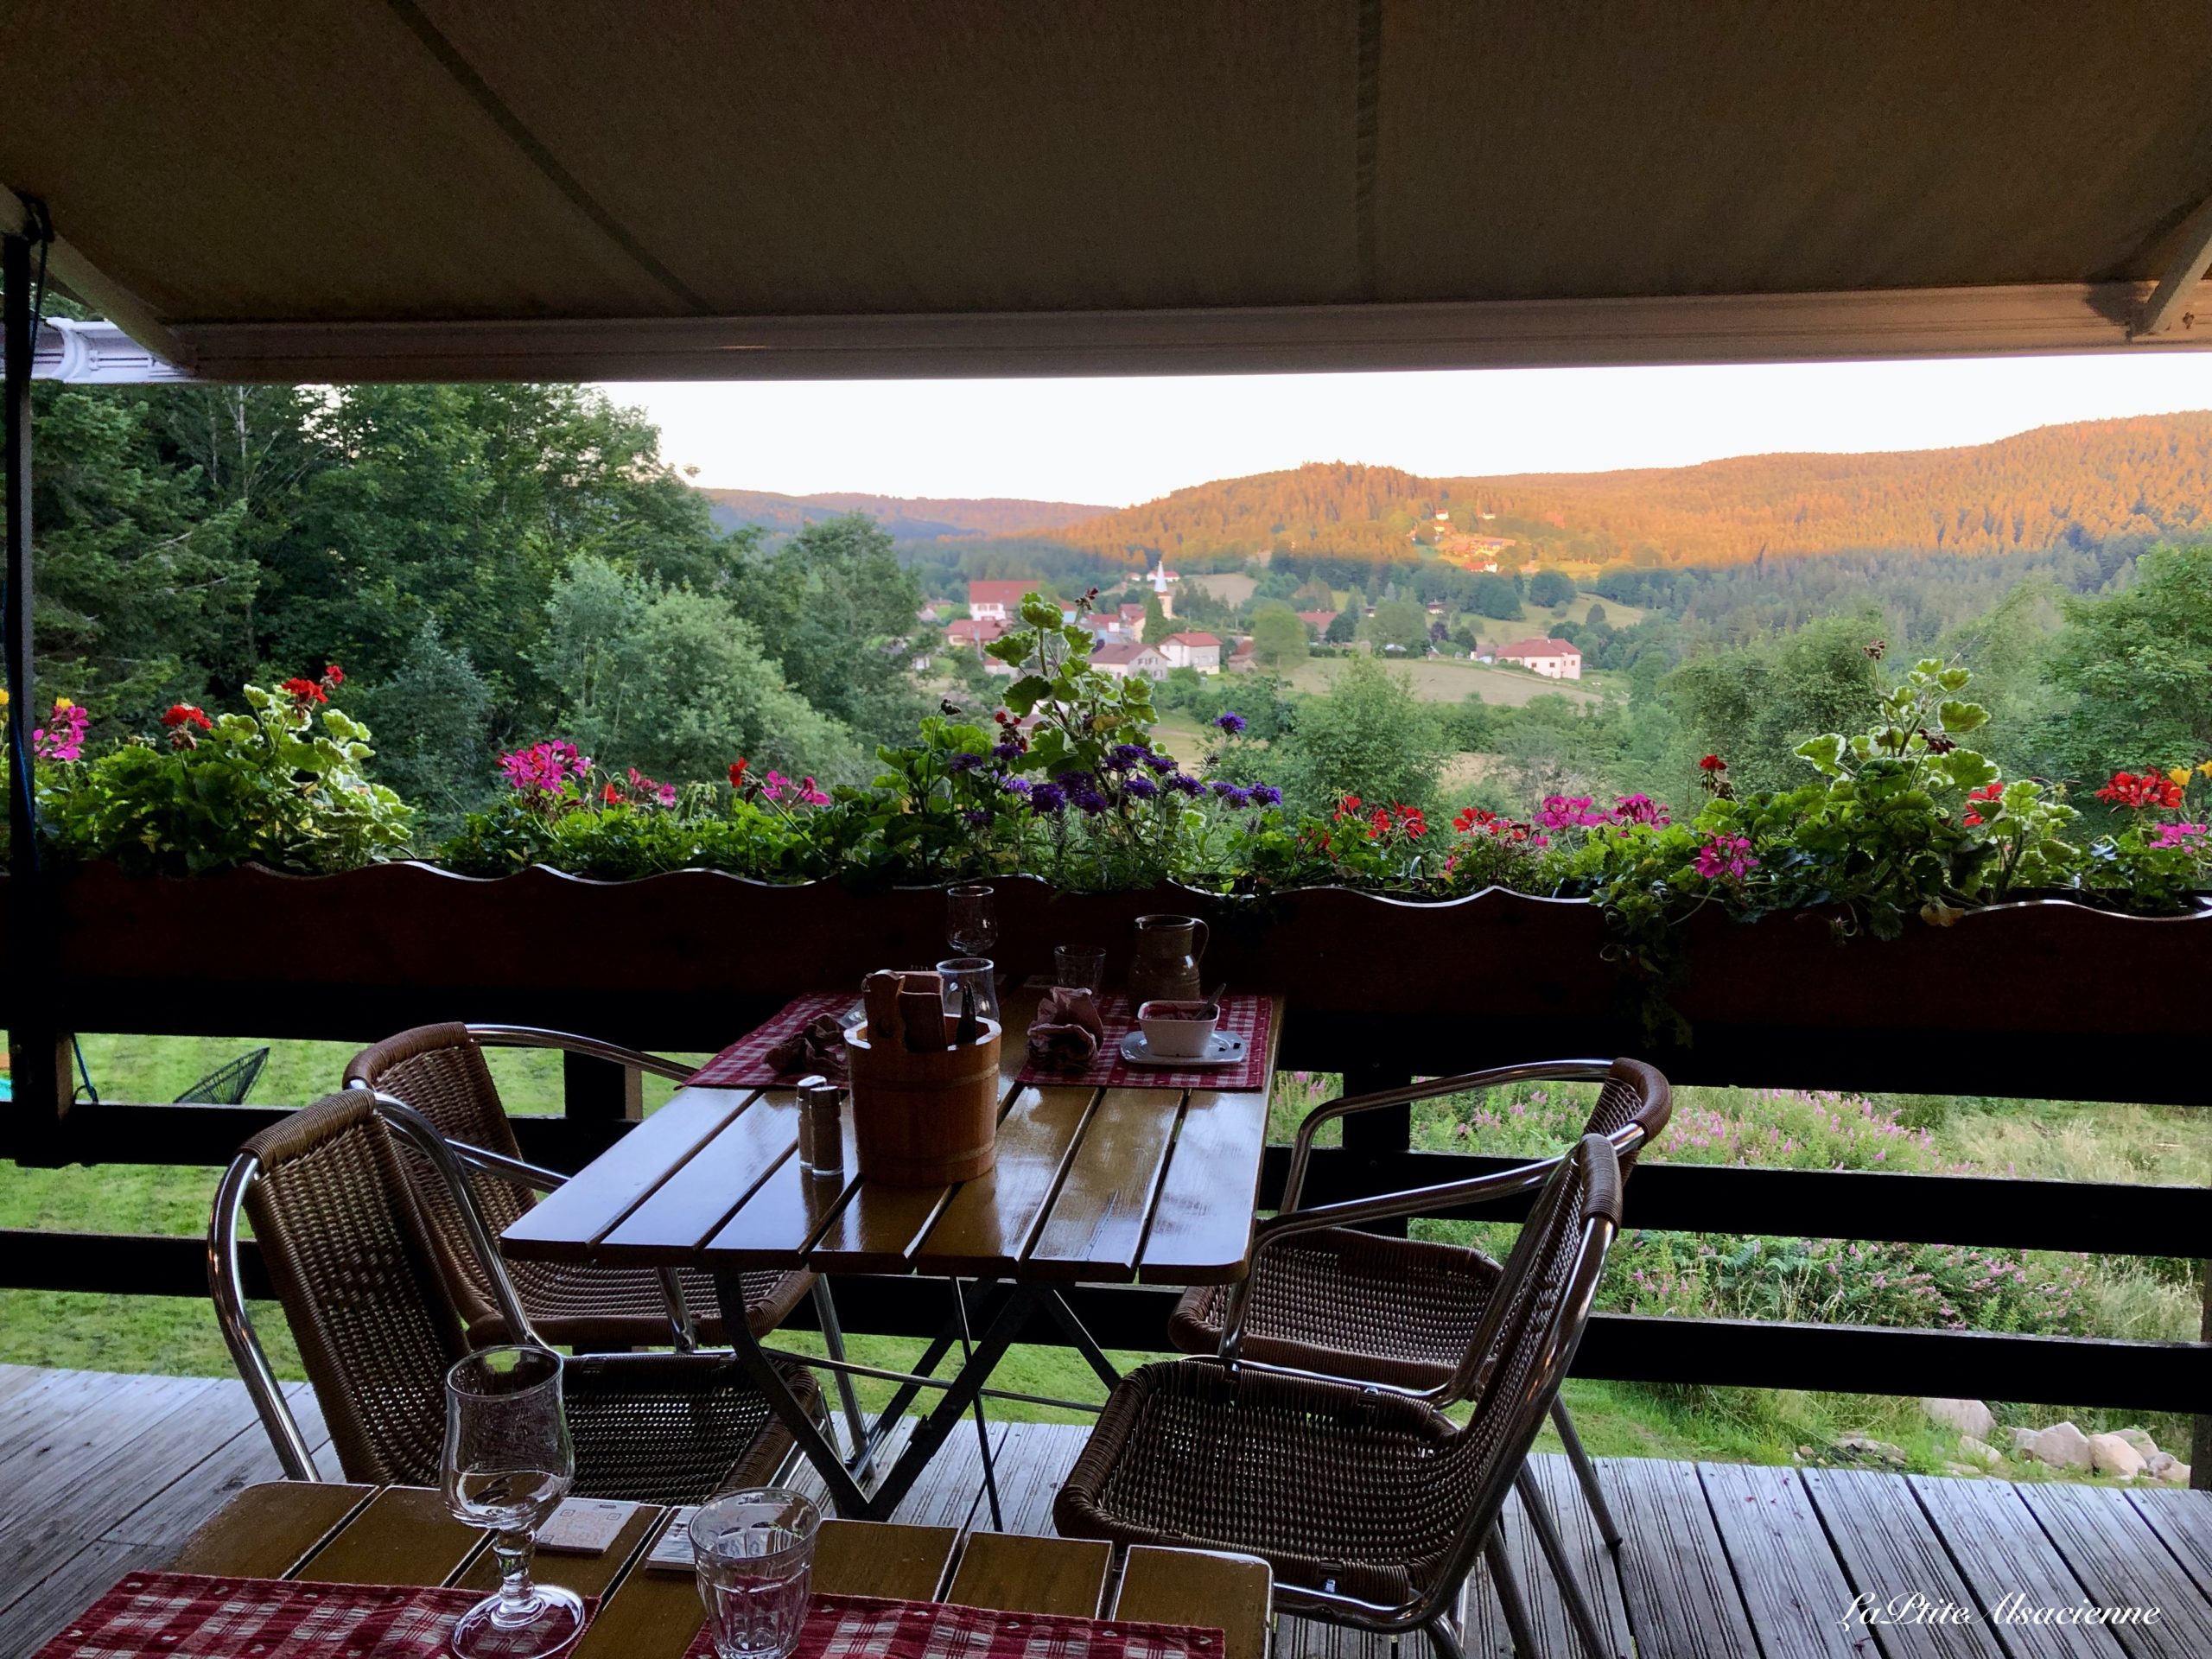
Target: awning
[{"x": 440, "y": 189}]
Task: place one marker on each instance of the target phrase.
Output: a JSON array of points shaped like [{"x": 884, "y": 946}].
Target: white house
[
  {"x": 1121, "y": 660},
  {"x": 997, "y": 601},
  {"x": 1200, "y": 650},
  {"x": 1555, "y": 659}
]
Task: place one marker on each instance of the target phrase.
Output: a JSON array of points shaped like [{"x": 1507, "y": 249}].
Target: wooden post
[
  {"x": 599, "y": 1091},
  {"x": 1369, "y": 1137},
  {"x": 38, "y": 1052}
]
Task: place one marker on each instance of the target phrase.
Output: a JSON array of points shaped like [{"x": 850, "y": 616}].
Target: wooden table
[
  {"x": 1092, "y": 1186},
  {"x": 402, "y": 1534}
]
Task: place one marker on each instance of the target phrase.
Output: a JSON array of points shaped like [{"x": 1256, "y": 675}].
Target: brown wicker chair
[
  {"x": 357, "y": 1272},
  {"x": 1371, "y": 1505},
  {"x": 1400, "y": 1312},
  {"x": 439, "y": 1071}
]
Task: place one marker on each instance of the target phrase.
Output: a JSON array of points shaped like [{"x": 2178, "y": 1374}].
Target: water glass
[
  {"x": 754, "y": 1552},
  {"x": 978, "y": 974},
  {"x": 1079, "y": 966},
  {"x": 507, "y": 1464},
  {"x": 971, "y": 921}
]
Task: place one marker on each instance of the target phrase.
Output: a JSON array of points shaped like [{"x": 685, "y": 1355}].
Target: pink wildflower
[
  {"x": 1728, "y": 856},
  {"x": 67, "y": 741}
]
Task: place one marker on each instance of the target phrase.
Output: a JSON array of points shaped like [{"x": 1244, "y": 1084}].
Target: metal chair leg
[
  {"x": 833, "y": 1340},
  {"x": 983, "y": 1427},
  {"x": 1443, "y": 1639},
  {"x": 1517, "y": 1625},
  {"x": 1586, "y": 1472},
  {"x": 1579, "y": 1610}
]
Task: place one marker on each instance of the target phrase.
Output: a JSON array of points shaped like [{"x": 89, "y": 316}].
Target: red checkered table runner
[
  {"x": 1248, "y": 1016},
  {"x": 744, "y": 1064},
  {"x": 188, "y": 1616},
  {"x": 862, "y": 1627}
]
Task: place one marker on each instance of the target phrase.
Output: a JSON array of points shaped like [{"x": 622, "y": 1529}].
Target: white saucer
[{"x": 1222, "y": 1049}]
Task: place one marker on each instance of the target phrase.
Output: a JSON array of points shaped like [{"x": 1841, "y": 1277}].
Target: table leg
[
  {"x": 845, "y": 1492},
  {"x": 983, "y": 1427},
  {"x": 833, "y": 1340},
  {"x": 1086, "y": 1344}
]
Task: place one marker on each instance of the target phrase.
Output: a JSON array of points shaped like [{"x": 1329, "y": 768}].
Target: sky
[{"x": 1115, "y": 442}]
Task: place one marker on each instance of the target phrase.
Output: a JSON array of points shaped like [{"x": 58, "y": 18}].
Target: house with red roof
[
  {"x": 1555, "y": 659},
  {"x": 1316, "y": 621},
  {"x": 997, "y": 601},
  {"x": 1121, "y": 658},
  {"x": 1193, "y": 649}
]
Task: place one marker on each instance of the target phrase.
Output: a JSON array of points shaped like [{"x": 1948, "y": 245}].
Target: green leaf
[
  {"x": 1824, "y": 752},
  {"x": 1025, "y": 693},
  {"x": 1959, "y": 718}
]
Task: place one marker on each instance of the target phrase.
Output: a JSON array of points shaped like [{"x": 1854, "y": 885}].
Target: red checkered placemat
[
  {"x": 1248, "y": 1016},
  {"x": 744, "y": 1064},
  {"x": 861, "y": 1627},
  {"x": 188, "y": 1616}
]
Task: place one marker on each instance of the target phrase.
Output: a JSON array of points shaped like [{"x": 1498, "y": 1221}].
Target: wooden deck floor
[{"x": 100, "y": 1473}]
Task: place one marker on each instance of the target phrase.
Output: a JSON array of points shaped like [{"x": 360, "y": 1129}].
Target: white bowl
[{"x": 1178, "y": 1031}]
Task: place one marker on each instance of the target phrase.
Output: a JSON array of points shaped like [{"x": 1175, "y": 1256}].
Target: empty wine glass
[
  {"x": 971, "y": 923},
  {"x": 753, "y": 1551},
  {"x": 508, "y": 1464}
]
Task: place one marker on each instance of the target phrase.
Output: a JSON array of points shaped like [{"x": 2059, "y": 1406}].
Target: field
[
  {"x": 1651, "y": 1273},
  {"x": 1449, "y": 679}
]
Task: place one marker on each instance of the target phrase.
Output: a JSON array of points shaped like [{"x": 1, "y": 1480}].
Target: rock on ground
[
  {"x": 1962, "y": 1416},
  {"x": 2063, "y": 1446},
  {"x": 2110, "y": 1454},
  {"x": 2141, "y": 1441},
  {"x": 1981, "y": 1451}
]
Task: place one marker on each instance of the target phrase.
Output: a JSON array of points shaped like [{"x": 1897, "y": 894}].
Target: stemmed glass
[
  {"x": 508, "y": 1464},
  {"x": 971, "y": 923}
]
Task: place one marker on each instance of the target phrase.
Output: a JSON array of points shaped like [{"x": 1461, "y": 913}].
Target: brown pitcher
[{"x": 1167, "y": 963}]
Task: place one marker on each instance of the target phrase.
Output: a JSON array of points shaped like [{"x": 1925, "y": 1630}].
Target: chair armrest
[
  {"x": 497, "y": 1163},
  {"x": 1301, "y": 1146},
  {"x": 569, "y": 1042}
]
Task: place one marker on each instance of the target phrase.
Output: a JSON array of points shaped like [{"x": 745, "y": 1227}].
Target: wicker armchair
[
  {"x": 357, "y": 1272},
  {"x": 439, "y": 1071},
  {"x": 1399, "y": 1314},
  {"x": 1371, "y": 1505}
]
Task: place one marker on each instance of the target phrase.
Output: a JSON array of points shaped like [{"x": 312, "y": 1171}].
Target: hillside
[
  {"x": 909, "y": 518},
  {"x": 2149, "y": 477}
]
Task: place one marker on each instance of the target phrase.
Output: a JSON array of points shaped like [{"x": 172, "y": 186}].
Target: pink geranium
[
  {"x": 1726, "y": 856},
  {"x": 543, "y": 768}
]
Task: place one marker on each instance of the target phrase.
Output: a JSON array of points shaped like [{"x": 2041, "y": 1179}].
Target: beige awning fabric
[{"x": 356, "y": 189}]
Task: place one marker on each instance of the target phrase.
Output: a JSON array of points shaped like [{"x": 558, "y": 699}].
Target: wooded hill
[
  {"x": 2147, "y": 479},
  {"x": 908, "y": 518}
]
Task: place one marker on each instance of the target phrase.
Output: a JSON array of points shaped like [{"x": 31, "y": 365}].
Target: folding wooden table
[
  {"x": 1092, "y": 1186},
  {"x": 336, "y": 1534}
]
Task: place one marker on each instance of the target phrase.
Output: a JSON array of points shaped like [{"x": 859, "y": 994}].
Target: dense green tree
[
  {"x": 431, "y": 719},
  {"x": 675, "y": 681},
  {"x": 1279, "y": 638},
  {"x": 1496, "y": 597},
  {"x": 1343, "y": 627},
  {"x": 1753, "y": 705},
  {"x": 1369, "y": 736},
  {"x": 1398, "y": 622},
  {"x": 1550, "y": 587},
  {"x": 2138, "y": 664},
  {"x": 836, "y": 613},
  {"x": 1157, "y": 623}
]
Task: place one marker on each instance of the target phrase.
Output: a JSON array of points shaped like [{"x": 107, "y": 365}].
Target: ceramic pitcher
[{"x": 1166, "y": 964}]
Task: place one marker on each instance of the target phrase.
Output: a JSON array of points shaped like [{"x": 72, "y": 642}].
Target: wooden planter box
[{"x": 2047, "y": 998}]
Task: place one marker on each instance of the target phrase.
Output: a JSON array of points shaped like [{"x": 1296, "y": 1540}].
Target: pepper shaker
[{"x": 820, "y": 1127}]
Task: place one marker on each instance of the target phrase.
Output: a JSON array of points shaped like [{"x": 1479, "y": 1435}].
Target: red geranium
[
  {"x": 333, "y": 676},
  {"x": 2140, "y": 790},
  {"x": 1986, "y": 793},
  {"x": 1411, "y": 820},
  {"x": 737, "y": 773},
  {"x": 304, "y": 692},
  {"x": 185, "y": 714},
  {"x": 1712, "y": 763}
]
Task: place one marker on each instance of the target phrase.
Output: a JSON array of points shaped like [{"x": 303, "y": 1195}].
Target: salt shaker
[{"x": 821, "y": 1126}]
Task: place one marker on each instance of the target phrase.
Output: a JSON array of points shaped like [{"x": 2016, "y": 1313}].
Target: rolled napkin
[
  {"x": 1067, "y": 1031},
  {"x": 819, "y": 1045}
]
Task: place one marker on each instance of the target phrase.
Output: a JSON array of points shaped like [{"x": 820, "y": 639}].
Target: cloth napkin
[{"x": 744, "y": 1064}]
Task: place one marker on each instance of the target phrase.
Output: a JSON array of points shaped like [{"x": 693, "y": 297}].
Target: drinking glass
[
  {"x": 971, "y": 922},
  {"x": 979, "y": 973},
  {"x": 507, "y": 1466},
  {"x": 1079, "y": 966},
  {"x": 753, "y": 1551}
]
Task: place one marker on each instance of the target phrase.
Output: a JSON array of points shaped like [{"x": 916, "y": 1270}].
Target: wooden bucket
[{"x": 925, "y": 1119}]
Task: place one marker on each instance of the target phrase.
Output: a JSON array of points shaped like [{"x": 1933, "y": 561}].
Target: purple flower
[
  {"x": 1223, "y": 788},
  {"x": 1162, "y": 764},
  {"x": 965, "y": 760},
  {"x": 1046, "y": 799},
  {"x": 1122, "y": 756},
  {"x": 1185, "y": 784},
  {"x": 1229, "y": 721},
  {"x": 1072, "y": 781},
  {"x": 976, "y": 816},
  {"x": 1140, "y": 786},
  {"x": 1006, "y": 753},
  {"x": 1266, "y": 795},
  {"x": 1236, "y": 797},
  {"x": 1015, "y": 785}
]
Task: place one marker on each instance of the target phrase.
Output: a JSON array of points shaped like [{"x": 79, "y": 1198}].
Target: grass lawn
[
  {"x": 1451, "y": 679},
  {"x": 2045, "y": 1140}
]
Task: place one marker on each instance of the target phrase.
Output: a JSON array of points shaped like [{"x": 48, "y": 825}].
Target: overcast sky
[{"x": 1122, "y": 441}]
